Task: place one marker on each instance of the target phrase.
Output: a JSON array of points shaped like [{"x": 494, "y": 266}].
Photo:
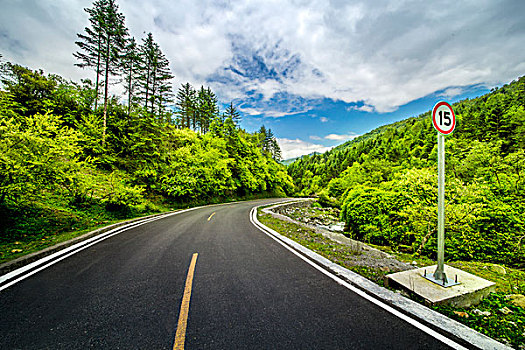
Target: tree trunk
[
  {"x": 129, "y": 87},
  {"x": 98, "y": 73},
  {"x": 147, "y": 88},
  {"x": 106, "y": 83}
]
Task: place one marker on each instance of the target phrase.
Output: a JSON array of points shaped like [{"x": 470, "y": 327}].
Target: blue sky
[{"x": 317, "y": 72}]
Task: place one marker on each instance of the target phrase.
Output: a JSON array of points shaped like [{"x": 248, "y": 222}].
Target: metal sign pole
[
  {"x": 444, "y": 121},
  {"x": 440, "y": 273}
]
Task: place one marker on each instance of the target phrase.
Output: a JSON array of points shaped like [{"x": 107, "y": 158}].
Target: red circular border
[{"x": 439, "y": 104}]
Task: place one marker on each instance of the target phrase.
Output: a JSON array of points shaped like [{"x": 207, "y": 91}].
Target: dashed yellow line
[
  {"x": 180, "y": 335},
  {"x": 211, "y": 216}
]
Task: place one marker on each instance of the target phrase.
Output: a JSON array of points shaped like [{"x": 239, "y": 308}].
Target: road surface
[{"x": 247, "y": 292}]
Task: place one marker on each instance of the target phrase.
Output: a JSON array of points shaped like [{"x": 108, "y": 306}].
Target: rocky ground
[
  {"x": 325, "y": 221},
  {"x": 500, "y": 316}
]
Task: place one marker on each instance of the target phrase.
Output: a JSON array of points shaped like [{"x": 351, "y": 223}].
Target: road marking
[
  {"x": 211, "y": 216},
  {"x": 273, "y": 234},
  {"x": 180, "y": 335}
]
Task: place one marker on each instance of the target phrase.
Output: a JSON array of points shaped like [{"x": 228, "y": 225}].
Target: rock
[
  {"x": 505, "y": 310},
  {"x": 481, "y": 313},
  {"x": 461, "y": 314},
  {"x": 518, "y": 300},
  {"x": 499, "y": 269}
]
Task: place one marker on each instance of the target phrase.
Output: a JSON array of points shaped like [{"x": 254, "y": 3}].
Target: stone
[
  {"x": 499, "y": 269},
  {"x": 505, "y": 310},
  {"x": 517, "y": 300},
  {"x": 481, "y": 313},
  {"x": 461, "y": 314}
]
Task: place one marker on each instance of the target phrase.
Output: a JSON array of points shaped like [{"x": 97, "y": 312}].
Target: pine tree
[
  {"x": 276, "y": 150},
  {"x": 232, "y": 112},
  {"x": 162, "y": 86},
  {"x": 90, "y": 44},
  {"x": 186, "y": 103},
  {"x": 155, "y": 89},
  {"x": 206, "y": 110},
  {"x": 129, "y": 67},
  {"x": 103, "y": 44},
  {"x": 268, "y": 143}
]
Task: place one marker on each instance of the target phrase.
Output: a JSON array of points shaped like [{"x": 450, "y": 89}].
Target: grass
[
  {"x": 29, "y": 228},
  {"x": 489, "y": 317},
  {"x": 338, "y": 253},
  {"x": 37, "y": 226}
]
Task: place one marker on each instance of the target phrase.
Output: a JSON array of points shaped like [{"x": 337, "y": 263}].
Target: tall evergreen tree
[
  {"x": 186, "y": 103},
  {"x": 155, "y": 89},
  {"x": 268, "y": 143},
  {"x": 103, "y": 44},
  {"x": 90, "y": 44},
  {"x": 129, "y": 68},
  {"x": 232, "y": 112},
  {"x": 206, "y": 110}
]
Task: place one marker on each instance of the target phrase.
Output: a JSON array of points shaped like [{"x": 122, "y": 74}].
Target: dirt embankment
[{"x": 325, "y": 221}]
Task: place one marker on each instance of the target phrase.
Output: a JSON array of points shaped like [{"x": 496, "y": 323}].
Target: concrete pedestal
[{"x": 470, "y": 290}]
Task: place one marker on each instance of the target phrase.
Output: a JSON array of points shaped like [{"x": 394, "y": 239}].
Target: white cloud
[
  {"x": 296, "y": 148},
  {"x": 383, "y": 54},
  {"x": 315, "y": 137},
  {"x": 338, "y": 137},
  {"x": 323, "y": 119},
  {"x": 452, "y": 92},
  {"x": 363, "y": 108}
]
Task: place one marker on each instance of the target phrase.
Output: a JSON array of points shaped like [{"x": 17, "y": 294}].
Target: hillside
[
  {"x": 61, "y": 171},
  {"x": 385, "y": 181}
]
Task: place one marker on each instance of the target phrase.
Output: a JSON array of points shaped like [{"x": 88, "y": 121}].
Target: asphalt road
[{"x": 249, "y": 292}]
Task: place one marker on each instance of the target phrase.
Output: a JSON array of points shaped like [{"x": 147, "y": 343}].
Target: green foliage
[
  {"x": 507, "y": 327},
  {"x": 386, "y": 181},
  {"x": 55, "y": 171}
]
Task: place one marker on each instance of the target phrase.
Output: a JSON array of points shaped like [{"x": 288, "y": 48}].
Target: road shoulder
[{"x": 442, "y": 324}]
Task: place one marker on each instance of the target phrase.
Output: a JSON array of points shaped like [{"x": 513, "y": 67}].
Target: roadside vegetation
[
  {"x": 385, "y": 182},
  {"x": 73, "y": 157},
  {"x": 500, "y": 316}
]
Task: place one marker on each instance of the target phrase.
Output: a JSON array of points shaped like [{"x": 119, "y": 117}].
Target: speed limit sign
[{"x": 443, "y": 118}]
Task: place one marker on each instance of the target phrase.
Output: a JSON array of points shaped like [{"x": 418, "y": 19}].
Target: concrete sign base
[{"x": 469, "y": 290}]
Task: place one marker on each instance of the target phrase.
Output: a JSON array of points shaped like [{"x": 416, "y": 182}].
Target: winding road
[{"x": 246, "y": 291}]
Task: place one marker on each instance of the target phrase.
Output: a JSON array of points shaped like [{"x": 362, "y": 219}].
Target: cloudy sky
[{"x": 316, "y": 72}]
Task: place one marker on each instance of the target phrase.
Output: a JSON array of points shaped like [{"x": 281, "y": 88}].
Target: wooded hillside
[
  {"x": 386, "y": 181},
  {"x": 59, "y": 172}
]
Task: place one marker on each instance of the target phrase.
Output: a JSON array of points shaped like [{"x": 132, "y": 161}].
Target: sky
[{"x": 316, "y": 72}]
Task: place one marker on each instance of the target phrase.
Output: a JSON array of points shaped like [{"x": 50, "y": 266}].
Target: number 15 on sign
[{"x": 443, "y": 118}]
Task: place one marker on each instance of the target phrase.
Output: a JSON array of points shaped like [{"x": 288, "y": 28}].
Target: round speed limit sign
[{"x": 443, "y": 118}]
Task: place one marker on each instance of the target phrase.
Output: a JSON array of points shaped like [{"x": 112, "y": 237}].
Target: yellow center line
[
  {"x": 180, "y": 335},
  {"x": 211, "y": 216}
]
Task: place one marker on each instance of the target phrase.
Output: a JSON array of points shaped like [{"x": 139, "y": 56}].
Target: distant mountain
[{"x": 291, "y": 160}]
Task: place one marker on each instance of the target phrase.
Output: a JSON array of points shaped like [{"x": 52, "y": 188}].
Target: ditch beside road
[{"x": 500, "y": 316}]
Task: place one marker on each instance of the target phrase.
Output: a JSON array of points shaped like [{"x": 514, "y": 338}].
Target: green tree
[
  {"x": 103, "y": 45},
  {"x": 154, "y": 87},
  {"x": 231, "y": 112},
  {"x": 33, "y": 91},
  {"x": 130, "y": 62},
  {"x": 186, "y": 103}
]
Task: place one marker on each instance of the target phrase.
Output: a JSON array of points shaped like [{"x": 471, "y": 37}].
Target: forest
[
  {"x": 74, "y": 154},
  {"x": 385, "y": 182}
]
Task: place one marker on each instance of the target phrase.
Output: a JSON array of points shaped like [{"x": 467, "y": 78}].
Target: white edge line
[
  {"x": 415, "y": 323},
  {"x": 57, "y": 257}
]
